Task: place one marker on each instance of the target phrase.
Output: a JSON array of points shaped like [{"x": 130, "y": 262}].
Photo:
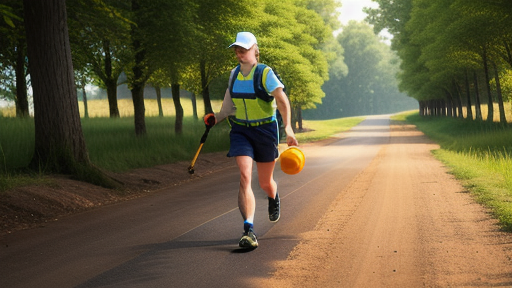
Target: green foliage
[
  {"x": 11, "y": 40},
  {"x": 8, "y": 15},
  {"x": 184, "y": 43},
  {"x": 113, "y": 147},
  {"x": 370, "y": 86},
  {"x": 291, "y": 39},
  {"x": 16, "y": 143},
  {"x": 440, "y": 41},
  {"x": 480, "y": 155}
]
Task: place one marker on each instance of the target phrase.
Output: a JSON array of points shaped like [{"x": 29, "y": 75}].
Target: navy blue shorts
[{"x": 259, "y": 142}]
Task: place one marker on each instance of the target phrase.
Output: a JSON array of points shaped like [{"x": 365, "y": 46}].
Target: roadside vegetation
[
  {"x": 479, "y": 155},
  {"x": 113, "y": 146}
]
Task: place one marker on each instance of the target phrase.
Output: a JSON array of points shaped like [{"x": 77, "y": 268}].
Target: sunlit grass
[
  {"x": 99, "y": 108},
  {"x": 321, "y": 129},
  {"x": 479, "y": 154},
  {"x": 113, "y": 146}
]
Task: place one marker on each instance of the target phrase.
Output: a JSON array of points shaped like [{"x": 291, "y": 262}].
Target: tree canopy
[
  {"x": 448, "y": 48},
  {"x": 369, "y": 86}
]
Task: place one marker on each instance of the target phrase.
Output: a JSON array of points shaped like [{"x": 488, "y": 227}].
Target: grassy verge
[
  {"x": 113, "y": 146},
  {"x": 318, "y": 130},
  {"x": 479, "y": 154}
]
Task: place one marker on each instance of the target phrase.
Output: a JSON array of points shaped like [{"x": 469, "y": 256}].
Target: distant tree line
[
  {"x": 368, "y": 85},
  {"x": 455, "y": 54}
]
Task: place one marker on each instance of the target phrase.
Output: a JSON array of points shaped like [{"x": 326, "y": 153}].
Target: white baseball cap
[{"x": 245, "y": 40}]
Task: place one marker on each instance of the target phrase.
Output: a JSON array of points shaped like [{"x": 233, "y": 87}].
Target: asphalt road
[{"x": 188, "y": 236}]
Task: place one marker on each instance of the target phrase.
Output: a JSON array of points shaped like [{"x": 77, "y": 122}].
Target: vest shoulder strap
[{"x": 259, "y": 87}]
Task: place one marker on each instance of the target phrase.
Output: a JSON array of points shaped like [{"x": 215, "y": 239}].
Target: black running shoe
[
  {"x": 274, "y": 211},
  {"x": 248, "y": 240}
]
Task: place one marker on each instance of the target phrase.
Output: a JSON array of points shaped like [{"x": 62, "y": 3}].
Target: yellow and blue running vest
[{"x": 254, "y": 105}]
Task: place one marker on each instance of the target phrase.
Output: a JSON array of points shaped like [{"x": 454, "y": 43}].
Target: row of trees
[
  {"x": 180, "y": 44},
  {"x": 455, "y": 53},
  {"x": 176, "y": 43},
  {"x": 368, "y": 86}
]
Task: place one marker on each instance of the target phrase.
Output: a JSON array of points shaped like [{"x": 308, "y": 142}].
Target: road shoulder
[{"x": 403, "y": 222}]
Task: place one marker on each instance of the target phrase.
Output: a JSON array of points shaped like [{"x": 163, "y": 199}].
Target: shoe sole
[
  {"x": 279, "y": 217},
  {"x": 247, "y": 242}
]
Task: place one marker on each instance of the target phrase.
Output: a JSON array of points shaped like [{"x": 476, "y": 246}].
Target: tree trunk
[
  {"x": 206, "y": 88},
  {"x": 490, "y": 102},
  {"x": 178, "y": 124},
  {"x": 110, "y": 82},
  {"x": 86, "y": 107},
  {"x": 112, "y": 98},
  {"x": 503, "y": 119},
  {"x": 138, "y": 81},
  {"x": 469, "y": 106},
  {"x": 194, "y": 105},
  {"x": 478, "y": 106},
  {"x": 59, "y": 141},
  {"x": 139, "y": 109},
  {"x": 508, "y": 56},
  {"x": 451, "y": 106},
  {"x": 458, "y": 99},
  {"x": 158, "y": 92},
  {"x": 21, "y": 83},
  {"x": 293, "y": 117},
  {"x": 442, "y": 107},
  {"x": 299, "y": 117}
]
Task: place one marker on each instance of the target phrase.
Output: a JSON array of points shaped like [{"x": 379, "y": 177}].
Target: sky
[{"x": 353, "y": 10}]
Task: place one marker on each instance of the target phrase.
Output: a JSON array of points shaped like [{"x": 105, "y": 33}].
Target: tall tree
[
  {"x": 217, "y": 24},
  {"x": 99, "y": 35},
  {"x": 140, "y": 73},
  {"x": 13, "y": 64},
  {"x": 162, "y": 38},
  {"x": 439, "y": 41},
  {"x": 59, "y": 141},
  {"x": 292, "y": 39}
]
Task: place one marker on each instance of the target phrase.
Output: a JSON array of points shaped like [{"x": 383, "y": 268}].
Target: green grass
[
  {"x": 113, "y": 146},
  {"x": 479, "y": 154},
  {"x": 319, "y": 130},
  {"x": 16, "y": 142}
]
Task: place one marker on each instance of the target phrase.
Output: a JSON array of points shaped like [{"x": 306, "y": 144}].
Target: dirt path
[{"x": 403, "y": 222}]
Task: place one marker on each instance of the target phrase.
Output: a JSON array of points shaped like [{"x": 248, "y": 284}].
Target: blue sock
[{"x": 247, "y": 226}]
